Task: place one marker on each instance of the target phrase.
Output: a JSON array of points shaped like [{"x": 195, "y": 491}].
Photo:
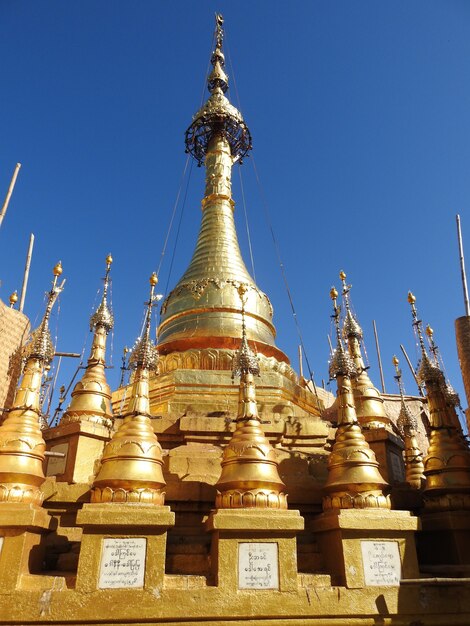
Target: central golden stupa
[{"x": 218, "y": 486}]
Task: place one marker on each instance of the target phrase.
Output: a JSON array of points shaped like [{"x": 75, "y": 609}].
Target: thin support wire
[
  {"x": 175, "y": 206},
  {"x": 247, "y": 225},
  {"x": 179, "y": 228},
  {"x": 283, "y": 274}
]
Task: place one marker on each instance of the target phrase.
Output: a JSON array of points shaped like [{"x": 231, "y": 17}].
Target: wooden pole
[
  {"x": 9, "y": 192},
  {"x": 378, "y": 356},
  {"x": 301, "y": 368},
  {"x": 462, "y": 268},
  {"x": 26, "y": 272},
  {"x": 402, "y": 348}
]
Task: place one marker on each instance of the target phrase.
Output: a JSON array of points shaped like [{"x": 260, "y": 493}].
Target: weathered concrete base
[
  {"x": 82, "y": 443},
  {"x": 231, "y": 527},
  {"x": 445, "y": 538},
  {"x": 339, "y": 534},
  {"x": 388, "y": 449},
  {"x": 127, "y": 520},
  {"x": 22, "y": 527}
]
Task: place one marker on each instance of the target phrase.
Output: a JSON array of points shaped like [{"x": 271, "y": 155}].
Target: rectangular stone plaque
[
  {"x": 57, "y": 465},
  {"x": 381, "y": 562},
  {"x": 122, "y": 563},
  {"x": 258, "y": 566}
]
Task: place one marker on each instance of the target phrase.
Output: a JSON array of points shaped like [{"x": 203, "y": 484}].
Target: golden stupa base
[
  {"x": 444, "y": 539},
  {"x": 345, "y": 536},
  {"x": 82, "y": 443},
  {"x": 121, "y": 543},
  {"x": 254, "y": 548},
  {"x": 21, "y": 543},
  {"x": 388, "y": 450}
]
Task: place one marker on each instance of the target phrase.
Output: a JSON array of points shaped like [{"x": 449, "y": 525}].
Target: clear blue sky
[{"x": 359, "y": 113}]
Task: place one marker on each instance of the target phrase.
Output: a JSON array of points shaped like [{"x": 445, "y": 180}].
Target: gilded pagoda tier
[{"x": 203, "y": 310}]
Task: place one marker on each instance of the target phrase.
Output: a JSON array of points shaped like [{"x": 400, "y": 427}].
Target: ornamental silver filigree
[
  {"x": 341, "y": 364},
  {"x": 351, "y": 327},
  {"x": 245, "y": 361},
  {"x": 102, "y": 317},
  {"x": 144, "y": 354}
]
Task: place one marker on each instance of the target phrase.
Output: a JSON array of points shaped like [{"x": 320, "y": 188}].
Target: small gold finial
[
  {"x": 429, "y": 331},
  {"x": 13, "y": 299},
  {"x": 57, "y": 271},
  {"x": 333, "y": 293},
  {"x": 411, "y": 298},
  {"x": 109, "y": 259},
  {"x": 395, "y": 361},
  {"x": 342, "y": 276},
  {"x": 153, "y": 279}
]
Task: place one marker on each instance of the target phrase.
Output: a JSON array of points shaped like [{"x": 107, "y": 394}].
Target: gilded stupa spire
[
  {"x": 369, "y": 403},
  {"x": 250, "y": 476},
  {"x": 22, "y": 446},
  {"x": 447, "y": 462},
  {"x": 131, "y": 466},
  {"x": 408, "y": 425},
  {"x": 91, "y": 397},
  {"x": 354, "y": 480},
  {"x": 202, "y": 311}
]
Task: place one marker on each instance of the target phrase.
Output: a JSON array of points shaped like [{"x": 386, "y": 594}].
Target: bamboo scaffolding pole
[
  {"x": 26, "y": 272},
  {"x": 462, "y": 267},
  {"x": 402, "y": 348},
  {"x": 9, "y": 192},
  {"x": 379, "y": 358}
]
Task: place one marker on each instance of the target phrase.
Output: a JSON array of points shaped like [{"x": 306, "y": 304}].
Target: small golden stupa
[
  {"x": 131, "y": 467},
  {"x": 354, "y": 480},
  {"x": 408, "y": 425},
  {"x": 368, "y": 401},
  {"x": 250, "y": 475},
  {"x": 22, "y": 447},
  {"x": 91, "y": 397},
  {"x": 447, "y": 462}
]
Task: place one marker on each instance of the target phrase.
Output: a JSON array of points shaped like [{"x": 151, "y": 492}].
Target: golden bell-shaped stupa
[
  {"x": 408, "y": 425},
  {"x": 370, "y": 409},
  {"x": 202, "y": 311},
  {"x": 91, "y": 397},
  {"x": 354, "y": 480},
  {"x": 250, "y": 475},
  {"x": 447, "y": 462},
  {"x": 131, "y": 467},
  {"x": 22, "y": 446}
]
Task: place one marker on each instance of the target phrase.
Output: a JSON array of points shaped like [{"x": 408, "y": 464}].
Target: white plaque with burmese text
[
  {"x": 122, "y": 563},
  {"x": 258, "y": 566},
  {"x": 381, "y": 561}
]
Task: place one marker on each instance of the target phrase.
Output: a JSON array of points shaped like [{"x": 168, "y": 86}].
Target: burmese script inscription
[
  {"x": 258, "y": 566},
  {"x": 122, "y": 563},
  {"x": 381, "y": 561}
]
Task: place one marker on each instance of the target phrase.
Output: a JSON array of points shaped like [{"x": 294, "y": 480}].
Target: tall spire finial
[
  {"x": 22, "y": 447},
  {"x": 131, "y": 467},
  {"x": 250, "y": 476},
  {"x": 40, "y": 344},
  {"x": 427, "y": 370},
  {"x": 91, "y": 396},
  {"x": 245, "y": 361},
  {"x": 218, "y": 117},
  {"x": 351, "y": 326},
  {"x": 354, "y": 480},
  {"x": 144, "y": 353},
  {"x": 369, "y": 403},
  {"x": 447, "y": 462},
  {"x": 408, "y": 425},
  {"x": 103, "y": 316}
]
